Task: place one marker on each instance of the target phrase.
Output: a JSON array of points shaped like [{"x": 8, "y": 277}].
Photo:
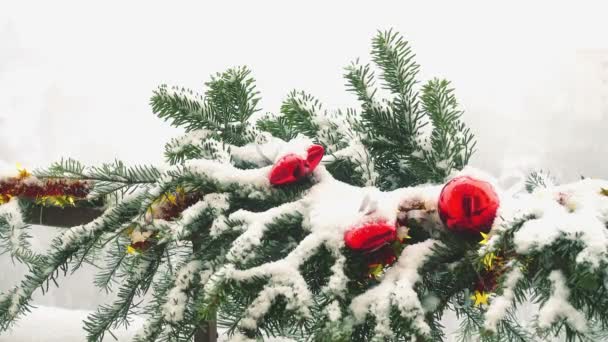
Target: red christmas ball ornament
[
  {"x": 370, "y": 236},
  {"x": 468, "y": 205},
  {"x": 291, "y": 167},
  {"x": 288, "y": 169},
  {"x": 314, "y": 155}
]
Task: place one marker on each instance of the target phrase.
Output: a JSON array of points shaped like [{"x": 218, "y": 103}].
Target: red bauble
[
  {"x": 468, "y": 205},
  {"x": 370, "y": 236},
  {"x": 314, "y": 155},
  {"x": 287, "y": 170},
  {"x": 291, "y": 168}
]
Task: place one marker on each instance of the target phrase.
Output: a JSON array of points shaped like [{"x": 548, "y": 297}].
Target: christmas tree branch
[{"x": 62, "y": 250}]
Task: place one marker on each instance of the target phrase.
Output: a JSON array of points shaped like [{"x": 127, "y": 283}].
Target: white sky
[{"x": 75, "y": 79}]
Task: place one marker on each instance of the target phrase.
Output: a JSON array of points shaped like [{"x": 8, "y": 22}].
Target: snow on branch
[
  {"x": 226, "y": 174},
  {"x": 500, "y": 304},
  {"x": 13, "y": 232},
  {"x": 397, "y": 288},
  {"x": 62, "y": 250},
  {"x": 210, "y": 206},
  {"x": 576, "y": 212},
  {"x": 558, "y": 307},
  {"x": 254, "y": 226},
  {"x": 177, "y": 297}
]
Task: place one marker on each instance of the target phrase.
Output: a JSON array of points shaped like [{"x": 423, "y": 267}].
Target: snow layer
[
  {"x": 11, "y": 212},
  {"x": 576, "y": 211},
  {"x": 397, "y": 288},
  {"x": 214, "y": 201},
  {"x": 500, "y": 304},
  {"x": 194, "y": 138},
  {"x": 227, "y": 174},
  {"x": 254, "y": 226},
  {"x": 177, "y": 298},
  {"x": 558, "y": 307}
]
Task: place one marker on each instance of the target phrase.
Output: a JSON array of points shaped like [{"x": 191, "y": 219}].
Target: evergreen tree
[{"x": 244, "y": 226}]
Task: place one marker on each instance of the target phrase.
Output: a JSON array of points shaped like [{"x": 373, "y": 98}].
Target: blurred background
[{"x": 76, "y": 78}]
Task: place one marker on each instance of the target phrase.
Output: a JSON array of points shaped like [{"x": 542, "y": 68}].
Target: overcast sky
[{"x": 75, "y": 79}]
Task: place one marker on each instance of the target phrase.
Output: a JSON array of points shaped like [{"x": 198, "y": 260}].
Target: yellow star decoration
[
  {"x": 173, "y": 197},
  {"x": 131, "y": 250},
  {"x": 604, "y": 192},
  {"x": 58, "y": 201},
  {"x": 169, "y": 197},
  {"x": 5, "y": 198},
  {"x": 480, "y": 298},
  {"x": 22, "y": 172},
  {"x": 485, "y": 240},
  {"x": 376, "y": 271},
  {"x": 488, "y": 260}
]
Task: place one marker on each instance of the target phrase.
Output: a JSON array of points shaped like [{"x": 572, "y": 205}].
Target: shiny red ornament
[
  {"x": 292, "y": 168},
  {"x": 142, "y": 245},
  {"x": 370, "y": 236},
  {"x": 468, "y": 205},
  {"x": 288, "y": 169},
  {"x": 314, "y": 155}
]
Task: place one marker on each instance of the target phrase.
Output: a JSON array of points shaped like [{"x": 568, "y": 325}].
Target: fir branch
[
  {"x": 234, "y": 95},
  {"x": 538, "y": 179},
  {"x": 301, "y": 109},
  {"x": 184, "y": 108},
  {"x": 108, "y": 178},
  {"x": 113, "y": 316},
  {"x": 62, "y": 250},
  {"x": 14, "y": 233},
  {"x": 230, "y": 100},
  {"x": 360, "y": 80},
  {"x": 451, "y": 143},
  {"x": 115, "y": 256},
  {"x": 392, "y": 54},
  {"x": 155, "y": 324},
  {"x": 278, "y": 126}
]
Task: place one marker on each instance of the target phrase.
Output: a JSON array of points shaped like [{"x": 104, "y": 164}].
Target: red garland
[
  {"x": 487, "y": 282},
  {"x": 142, "y": 246},
  {"x": 169, "y": 210},
  {"x": 34, "y": 188}
]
